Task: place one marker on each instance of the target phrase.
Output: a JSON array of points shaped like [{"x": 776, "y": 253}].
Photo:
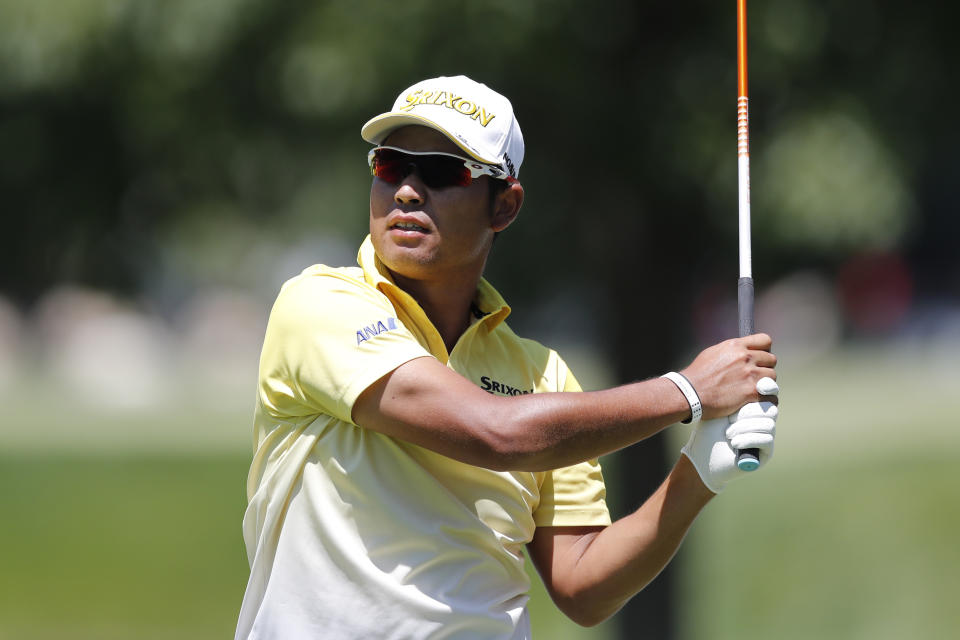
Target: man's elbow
[
  {"x": 586, "y": 613},
  {"x": 586, "y": 605},
  {"x": 513, "y": 446},
  {"x": 501, "y": 449}
]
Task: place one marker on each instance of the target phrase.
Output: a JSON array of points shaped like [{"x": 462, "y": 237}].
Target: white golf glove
[{"x": 714, "y": 444}]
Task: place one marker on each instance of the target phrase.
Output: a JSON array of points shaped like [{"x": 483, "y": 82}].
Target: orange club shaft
[{"x": 742, "y": 48}]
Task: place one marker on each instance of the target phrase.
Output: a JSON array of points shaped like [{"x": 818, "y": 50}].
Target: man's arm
[
  {"x": 426, "y": 403},
  {"x": 591, "y": 572}
]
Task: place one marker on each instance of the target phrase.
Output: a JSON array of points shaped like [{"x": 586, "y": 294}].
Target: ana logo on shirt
[{"x": 375, "y": 329}]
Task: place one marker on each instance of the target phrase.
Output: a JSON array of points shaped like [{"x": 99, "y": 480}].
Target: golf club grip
[
  {"x": 745, "y": 305},
  {"x": 747, "y": 459}
]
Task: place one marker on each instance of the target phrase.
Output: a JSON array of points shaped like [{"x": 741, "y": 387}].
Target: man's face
[{"x": 453, "y": 226}]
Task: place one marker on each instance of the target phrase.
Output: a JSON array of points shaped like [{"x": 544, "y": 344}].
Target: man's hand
[
  {"x": 713, "y": 445},
  {"x": 725, "y": 375}
]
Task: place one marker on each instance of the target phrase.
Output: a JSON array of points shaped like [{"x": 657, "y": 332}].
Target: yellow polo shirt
[{"x": 354, "y": 534}]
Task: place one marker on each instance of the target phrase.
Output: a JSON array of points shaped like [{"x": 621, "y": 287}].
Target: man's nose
[{"x": 411, "y": 190}]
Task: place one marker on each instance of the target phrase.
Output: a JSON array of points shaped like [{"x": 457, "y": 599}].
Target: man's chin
[{"x": 412, "y": 262}]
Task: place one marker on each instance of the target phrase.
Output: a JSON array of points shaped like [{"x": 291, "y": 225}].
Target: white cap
[{"x": 475, "y": 117}]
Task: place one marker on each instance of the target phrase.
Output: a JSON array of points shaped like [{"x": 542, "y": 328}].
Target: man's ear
[{"x": 507, "y": 206}]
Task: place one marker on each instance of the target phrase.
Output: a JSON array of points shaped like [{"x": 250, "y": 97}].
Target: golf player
[{"x": 410, "y": 447}]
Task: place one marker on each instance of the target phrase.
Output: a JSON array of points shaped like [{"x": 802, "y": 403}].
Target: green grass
[
  {"x": 110, "y": 547},
  {"x": 862, "y": 550},
  {"x": 107, "y": 547},
  {"x": 850, "y": 534}
]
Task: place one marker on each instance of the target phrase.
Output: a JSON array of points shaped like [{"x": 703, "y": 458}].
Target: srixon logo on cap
[{"x": 450, "y": 101}]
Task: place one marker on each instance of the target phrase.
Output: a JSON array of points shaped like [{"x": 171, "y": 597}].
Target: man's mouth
[{"x": 409, "y": 226}]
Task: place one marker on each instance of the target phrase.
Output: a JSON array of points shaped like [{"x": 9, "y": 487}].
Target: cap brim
[{"x": 377, "y": 129}]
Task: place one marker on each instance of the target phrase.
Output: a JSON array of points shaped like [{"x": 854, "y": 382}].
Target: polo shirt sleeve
[
  {"x": 329, "y": 337},
  {"x": 573, "y": 496}
]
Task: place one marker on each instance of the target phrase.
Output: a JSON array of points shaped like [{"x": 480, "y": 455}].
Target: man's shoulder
[
  {"x": 320, "y": 288},
  {"x": 324, "y": 275},
  {"x": 320, "y": 279}
]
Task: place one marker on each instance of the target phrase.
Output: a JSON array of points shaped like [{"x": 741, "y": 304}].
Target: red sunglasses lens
[
  {"x": 389, "y": 166},
  {"x": 436, "y": 171}
]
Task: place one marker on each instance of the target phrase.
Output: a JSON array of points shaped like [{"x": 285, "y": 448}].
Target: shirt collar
[{"x": 488, "y": 304}]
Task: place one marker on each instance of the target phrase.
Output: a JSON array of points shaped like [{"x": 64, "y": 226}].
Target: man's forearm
[
  {"x": 548, "y": 431},
  {"x": 602, "y": 572},
  {"x": 424, "y": 402}
]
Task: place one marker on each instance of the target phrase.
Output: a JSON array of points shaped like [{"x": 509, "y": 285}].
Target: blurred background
[{"x": 167, "y": 165}]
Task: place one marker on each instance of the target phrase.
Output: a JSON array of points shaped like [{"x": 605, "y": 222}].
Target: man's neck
[{"x": 447, "y": 304}]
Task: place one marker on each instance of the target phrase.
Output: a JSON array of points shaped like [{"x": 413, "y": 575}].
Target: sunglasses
[{"x": 438, "y": 170}]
